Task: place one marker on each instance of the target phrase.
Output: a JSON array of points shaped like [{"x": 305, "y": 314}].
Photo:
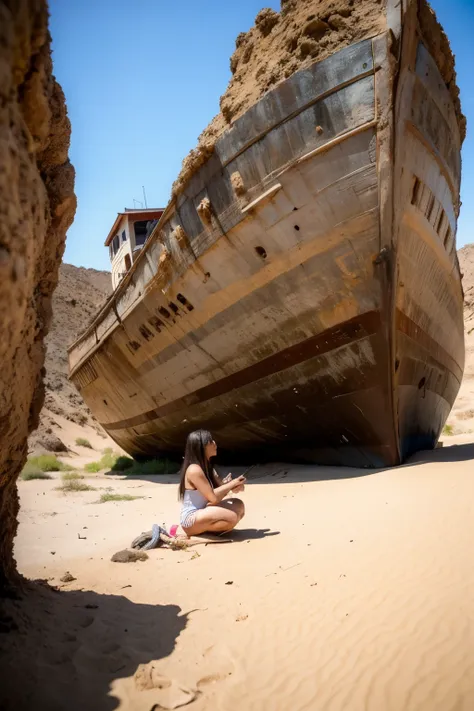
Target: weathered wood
[
  {"x": 294, "y": 97},
  {"x": 301, "y": 298}
]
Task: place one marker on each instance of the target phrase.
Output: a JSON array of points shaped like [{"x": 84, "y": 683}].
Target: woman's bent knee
[{"x": 239, "y": 508}]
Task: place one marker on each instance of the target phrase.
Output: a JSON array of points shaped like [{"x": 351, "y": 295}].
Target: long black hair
[{"x": 195, "y": 453}]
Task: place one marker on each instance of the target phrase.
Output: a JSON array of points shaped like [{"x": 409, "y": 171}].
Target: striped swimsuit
[{"x": 192, "y": 502}]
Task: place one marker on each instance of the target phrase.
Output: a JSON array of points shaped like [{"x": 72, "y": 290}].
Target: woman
[{"x": 202, "y": 491}]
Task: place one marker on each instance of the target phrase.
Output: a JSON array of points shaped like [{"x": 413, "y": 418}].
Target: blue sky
[{"x": 142, "y": 78}]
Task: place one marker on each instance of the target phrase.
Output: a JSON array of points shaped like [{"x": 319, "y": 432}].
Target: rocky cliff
[
  {"x": 78, "y": 296},
  {"x": 37, "y": 205}
]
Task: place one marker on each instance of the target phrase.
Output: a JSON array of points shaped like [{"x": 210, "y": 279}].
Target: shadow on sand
[
  {"x": 452, "y": 453},
  {"x": 238, "y": 535},
  {"x": 64, "y": 650},
  {"x": 278, "y": 472}
]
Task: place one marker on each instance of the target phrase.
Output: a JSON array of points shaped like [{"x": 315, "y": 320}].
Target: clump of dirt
[
  {"x": 278, "y": 45},
  {"x": 303, "y": 32},
  {"x": 78, "y": 296},
  {"x": 127, "y": 556}
]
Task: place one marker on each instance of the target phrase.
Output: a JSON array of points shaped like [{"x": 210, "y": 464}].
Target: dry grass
[
  {"x": 71, "y": 476},
  {"x": 45, "y": 463},
  {"x": 82, "y": 442},
  {"x": 72, "y": 482},
  {"x": 117, "y": 497},
  {"x": 31, "y": 473}
]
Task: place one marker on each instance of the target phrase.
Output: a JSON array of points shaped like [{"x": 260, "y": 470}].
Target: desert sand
[{"x": 342, "y": 589}]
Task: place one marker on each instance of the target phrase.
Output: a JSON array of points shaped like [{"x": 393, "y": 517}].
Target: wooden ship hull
[{"x": 301, "y": 298}]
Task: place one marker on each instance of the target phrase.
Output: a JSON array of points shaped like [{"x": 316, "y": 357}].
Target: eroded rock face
[{"x": 37, "y": 205}]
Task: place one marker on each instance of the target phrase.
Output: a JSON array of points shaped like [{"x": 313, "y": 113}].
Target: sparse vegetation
[
  {"x": 152, "y": 466},
  {"x": 71, "y": 476},
  {"x": 115, "y": 462},
  {"x": 448, "y": 430},
  {"x": 44, "y": 463},
  {"x": 72, "y": 482},
  {"x": 92, "y": 467},
  {"x": 32, "y": 473},
  {"x": 121, "y": 464},
  {"x": 82, "y": 442},
  {"x": 117, "y": 497},
  {"x": 107, "y": 461}
]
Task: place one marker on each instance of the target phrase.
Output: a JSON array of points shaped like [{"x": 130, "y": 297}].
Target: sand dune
[{"x": 342, "y": 590}]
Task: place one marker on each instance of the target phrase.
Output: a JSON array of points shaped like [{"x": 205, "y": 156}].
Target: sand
[{"x": 342, "y": 589}]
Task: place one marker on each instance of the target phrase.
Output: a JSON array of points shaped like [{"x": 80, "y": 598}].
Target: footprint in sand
[
  {"x": 109, "y": 648},
  {"x": 216, "y": 666},
  {"x": 86, "y": 622},
  {"x": 210, "y": 679},
  {"x": 161, "y": 691}
]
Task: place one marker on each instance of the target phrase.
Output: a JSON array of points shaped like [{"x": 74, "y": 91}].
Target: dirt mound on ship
[
  {"x": 274, "y": 48},
  {"x": 304, "y": 31},
  {"x": 80, "y": 292}
]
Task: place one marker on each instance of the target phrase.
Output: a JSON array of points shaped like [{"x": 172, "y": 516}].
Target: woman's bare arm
[
  {"x": 219, "y": 480},
  {"x": 198, "y": 479}
]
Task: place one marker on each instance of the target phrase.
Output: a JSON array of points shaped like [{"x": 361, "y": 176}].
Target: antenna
[
  {"x": 144, "y": 196},
  {"x": 138, "y": 201}
]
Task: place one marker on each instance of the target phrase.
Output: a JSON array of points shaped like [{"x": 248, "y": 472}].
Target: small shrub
[
  {"x": 448, "y": 430},
  {"x": 71, "y": 476},
  {"x": 117, "y": 497},
  {"x": 151, "y": 466},
  {"x": 81, "y": 442},
  {"x": 45, "y": 463},
  {"x": 73, "y": 483},
  {"x": 31, "y": 473},
  {"x": 92, "y": 467},
  {"x": 107, "y": 450},
  {"x": 121, "y": 464},
  {"x": 108, "y": 460}
]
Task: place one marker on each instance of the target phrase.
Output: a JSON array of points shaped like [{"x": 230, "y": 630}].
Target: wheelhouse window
[{"x": 140, "y": 232}]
